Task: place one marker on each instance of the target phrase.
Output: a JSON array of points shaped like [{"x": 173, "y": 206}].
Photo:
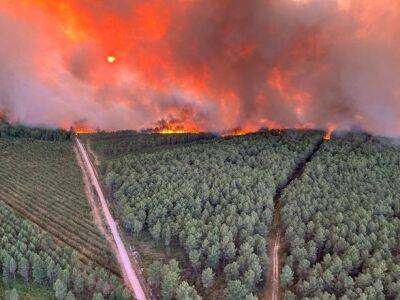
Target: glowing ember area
[
  {"x": 81, "y": 128},
  {"x": 329, "y": 132},
  {"x": 237, "y": 131},
  {"x": 174, "y": 127},
  {"x": 172, "y": 131},
  {"x": 212, "y": 65},
  {"x": 328, "y": 135}
]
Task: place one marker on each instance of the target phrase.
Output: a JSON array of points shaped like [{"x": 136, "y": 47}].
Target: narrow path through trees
[{"x": 272, "y": 286}]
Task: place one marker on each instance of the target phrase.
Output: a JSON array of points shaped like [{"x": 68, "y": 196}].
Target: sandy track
[
  {"x": 275, "y": 267},
  {"x": 123, "y": 257}
]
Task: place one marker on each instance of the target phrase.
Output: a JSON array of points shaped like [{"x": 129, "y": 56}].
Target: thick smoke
[{"x": 209, "y": 65}]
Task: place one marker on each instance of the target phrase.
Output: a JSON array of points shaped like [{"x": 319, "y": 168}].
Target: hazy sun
[{"x": 111, "y": 59}]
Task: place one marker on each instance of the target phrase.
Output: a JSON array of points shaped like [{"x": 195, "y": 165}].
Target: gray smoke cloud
[{"x": 216, "y": 64}]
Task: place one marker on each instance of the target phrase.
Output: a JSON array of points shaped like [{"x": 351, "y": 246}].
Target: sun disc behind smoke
[
  {"x": 301, "y": 1},
  {"x": 111, "y": 59}
]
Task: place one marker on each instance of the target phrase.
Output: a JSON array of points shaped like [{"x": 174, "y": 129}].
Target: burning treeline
[{"x": 202, "y": 65}]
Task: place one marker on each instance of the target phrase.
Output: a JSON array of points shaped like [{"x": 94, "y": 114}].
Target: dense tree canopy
[
  {"x": 28, "y": 253},
  {"x": 37, "y": 133},
  {"x": 214, "y": 199},
  {"x": 108, "y": 145},
  {"x": 41, "y": 184},
  {"x": 342, "y": 221}
]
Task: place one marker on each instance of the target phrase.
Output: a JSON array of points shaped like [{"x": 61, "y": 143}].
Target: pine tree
[
  {"x": 60, "y": 289},
  {"x": 70, "y": 296},
  {"x": 286, "y": 277},
  {"x": 23, "y": 269},
  {"x": 186, "y": 292},
  {"x": 207, "y": 278}
]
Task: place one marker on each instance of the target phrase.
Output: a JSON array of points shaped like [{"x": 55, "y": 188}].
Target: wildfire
[
  {"x": 211, "y": 65},
  {"x": 329, "y": 132},
  {"x": 80, "y": 127},
  {"x": 327, "y": 135},
  {"x": 83, "y": 130},
  {"x": 175, "y": 127},
  {"x": 240, "y": 131},
  {"x": 173, "y": 131}
]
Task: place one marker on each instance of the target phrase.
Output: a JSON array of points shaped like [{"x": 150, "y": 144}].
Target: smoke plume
[{"x": 203, "y": 65}]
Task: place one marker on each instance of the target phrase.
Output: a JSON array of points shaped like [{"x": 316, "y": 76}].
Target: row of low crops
[
  {"x": 342, "y": 223},
  {"x": 214, "y": 201},
  {"x": 42, "y": 182},
  {"x": 31, "y": 255}
]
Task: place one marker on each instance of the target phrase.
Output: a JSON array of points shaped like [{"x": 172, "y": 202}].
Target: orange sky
[{"x": 202, "y": 65}]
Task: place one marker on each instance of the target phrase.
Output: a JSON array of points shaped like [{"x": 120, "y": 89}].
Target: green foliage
[
  {"x": 207, "y": 278},
  {"x": 342, "y": 223},
  {"x": 60, "y": 289},
  {"x": 41, "y": 181},
  {"x": 70, "y": 296},
  {"x": 23, "y": 269},
  {"x": 213, "y": 199},
  {"x": 286, "y": 278},
  {"x": 36, "y": 133},
  {"x": 170, "y": 279},
  {"x": 236, "y": 290},
  {"x": 11, "y": 295},
  {"x": 97, "y": 296},
  {"x": 33, "y": 264},
  {"x": 154, "y": 273},
  {"x": 186, "y": 292},
  {"x": 108, "y": 145},
  {"x": 166, "y": 278},
  {"x": 78, "y": 284}
]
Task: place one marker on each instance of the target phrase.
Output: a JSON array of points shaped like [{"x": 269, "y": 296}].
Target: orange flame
[
  {"x": 79, "y": 127},
  {"x": 329, "y": 132},
  {"x": 227, "y": 80},
  {"x": 327, "y": 135},
  {"x": 175, "y": 127},
  {"x": 236, "y": 132},
  {"x": 83, "y": 130}
]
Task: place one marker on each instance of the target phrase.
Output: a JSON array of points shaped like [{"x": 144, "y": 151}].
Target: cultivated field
[
  {"x": 42, "y": 181},
  {"x": 208, "y": 204},
  {"x": 39, "y": 267},
  {"x": 47, "y": 230}
]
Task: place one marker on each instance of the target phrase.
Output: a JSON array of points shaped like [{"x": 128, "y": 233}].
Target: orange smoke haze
[{"x": 189, "y": 65}]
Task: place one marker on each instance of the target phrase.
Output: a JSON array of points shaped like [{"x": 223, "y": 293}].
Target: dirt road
[
  {"x": 272, "y": 286},
  {"x": 123, "y": 256},
  {"x": 275, "y": 267}
]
